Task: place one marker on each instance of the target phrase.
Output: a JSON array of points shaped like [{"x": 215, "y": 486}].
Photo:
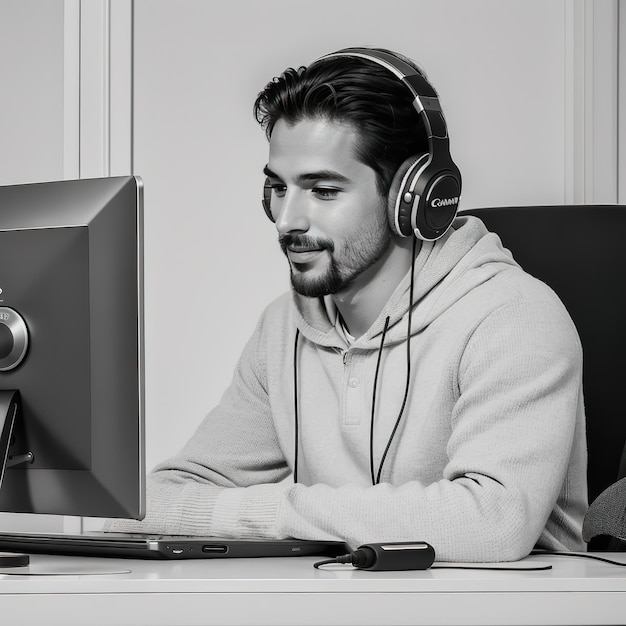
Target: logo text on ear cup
[{"x": 437, "y": 202}]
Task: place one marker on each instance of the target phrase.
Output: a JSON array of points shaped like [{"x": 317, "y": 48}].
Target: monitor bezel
[{"x": 113, "y": 485}]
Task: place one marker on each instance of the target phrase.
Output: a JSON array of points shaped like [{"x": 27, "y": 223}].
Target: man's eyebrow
[
  {"x": 323, "y": 175},
  {"x": 312, "y": 176}
]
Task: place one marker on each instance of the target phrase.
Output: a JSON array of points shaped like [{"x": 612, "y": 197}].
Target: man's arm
[
  {"x": 234, "y": 446},
  {"x": 513, "y": 431}
]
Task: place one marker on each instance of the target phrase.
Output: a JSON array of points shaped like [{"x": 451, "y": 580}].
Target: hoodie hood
[{"x": 445, "y": 270}]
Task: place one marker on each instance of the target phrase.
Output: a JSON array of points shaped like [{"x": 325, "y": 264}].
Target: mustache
[{"x": 304, "y": 242}]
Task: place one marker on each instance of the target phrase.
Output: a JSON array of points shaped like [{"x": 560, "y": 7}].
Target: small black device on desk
[{"x": 389, "y": 556}]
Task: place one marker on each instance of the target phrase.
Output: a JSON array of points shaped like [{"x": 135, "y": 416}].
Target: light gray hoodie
[{"x": 489, "y": 459}]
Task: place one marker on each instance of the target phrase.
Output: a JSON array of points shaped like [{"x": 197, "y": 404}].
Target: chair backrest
[{"x": 580, "y": 251}]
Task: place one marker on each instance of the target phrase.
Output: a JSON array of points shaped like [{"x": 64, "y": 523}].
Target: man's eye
[
  {"x": 279, "y": 190},
  {"x": 326, "y": 193}
]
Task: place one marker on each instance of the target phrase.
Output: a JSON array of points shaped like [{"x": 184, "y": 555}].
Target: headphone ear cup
[
  {"x": 266, "y": 201},
  {"x": 399, "y": 211}
]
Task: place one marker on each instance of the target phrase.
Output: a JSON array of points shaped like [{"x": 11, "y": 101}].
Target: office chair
[{"x": 580, "y": 251}]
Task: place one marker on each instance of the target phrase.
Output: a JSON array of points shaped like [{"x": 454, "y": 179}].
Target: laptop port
[{"x": 215, "y": 548}]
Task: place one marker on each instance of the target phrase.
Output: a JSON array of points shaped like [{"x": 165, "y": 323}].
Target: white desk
[{"x": 290, "y": 591}]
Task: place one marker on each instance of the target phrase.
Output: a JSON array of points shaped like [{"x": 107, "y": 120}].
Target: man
[{"x": 416, "y": 390}]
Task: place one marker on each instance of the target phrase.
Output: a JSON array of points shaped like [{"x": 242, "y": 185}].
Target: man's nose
[{"x": 291, "y": 212}]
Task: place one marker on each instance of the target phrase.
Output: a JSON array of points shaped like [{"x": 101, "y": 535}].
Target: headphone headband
[{"x": 425, "y": 98}]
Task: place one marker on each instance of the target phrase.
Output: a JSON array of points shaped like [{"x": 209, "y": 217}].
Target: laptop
[{"x": 143, "y": 546}]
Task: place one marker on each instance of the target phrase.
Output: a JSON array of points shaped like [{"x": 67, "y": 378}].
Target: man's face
[{"x": 331, "y": 220}]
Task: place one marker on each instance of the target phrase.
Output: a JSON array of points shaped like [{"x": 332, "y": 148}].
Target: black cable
[
  {"x": 355, "y": 559},
  {"x": 295, "y": 404},
  {"x": 582, "y": 555},
  {"x": 375, "y": 479},
  {"x": 380, "y": 353},
  {"x": 408, "y": 365},
  {"x": 346, "y": 558},
  {"x": 496, "y": 568}
]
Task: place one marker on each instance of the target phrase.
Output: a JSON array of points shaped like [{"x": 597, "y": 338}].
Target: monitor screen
[{"x": 71, "y": 348}]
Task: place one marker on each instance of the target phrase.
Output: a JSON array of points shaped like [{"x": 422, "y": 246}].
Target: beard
[{"x": 345, "y": 264}]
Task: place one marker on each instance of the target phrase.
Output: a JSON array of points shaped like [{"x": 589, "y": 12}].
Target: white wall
[{"x": 31, "y": 100}]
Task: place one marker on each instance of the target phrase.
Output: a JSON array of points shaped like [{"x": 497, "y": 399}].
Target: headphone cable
[
  {"x": 295, "y": 405},
  {"x": 380, "y": 353},
  {"x": 375, "y": 480},
  {"x": 408, "y": 377}
]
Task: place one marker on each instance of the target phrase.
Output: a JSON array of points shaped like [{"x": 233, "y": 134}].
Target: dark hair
[{"x": 355, "y": 91}]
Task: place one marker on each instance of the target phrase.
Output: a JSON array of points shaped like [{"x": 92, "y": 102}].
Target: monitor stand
[
  {"x": 9, "y": 410},
  {"x": 9, "y": 413}
]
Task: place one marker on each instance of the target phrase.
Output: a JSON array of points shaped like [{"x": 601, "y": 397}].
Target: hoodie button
[{"x": 353, "y": 382}]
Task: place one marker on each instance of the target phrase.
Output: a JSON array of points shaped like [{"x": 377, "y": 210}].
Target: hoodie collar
[{"x": 445, "y": 270}]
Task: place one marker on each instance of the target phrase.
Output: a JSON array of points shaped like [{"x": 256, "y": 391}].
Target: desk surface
[{"x": 290, "y": 591}]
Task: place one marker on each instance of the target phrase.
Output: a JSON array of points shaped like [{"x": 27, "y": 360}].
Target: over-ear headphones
[{"x": 424, "y": 194}]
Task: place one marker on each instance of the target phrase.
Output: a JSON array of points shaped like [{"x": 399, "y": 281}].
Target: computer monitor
[{"x": 71, "y": 348}]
